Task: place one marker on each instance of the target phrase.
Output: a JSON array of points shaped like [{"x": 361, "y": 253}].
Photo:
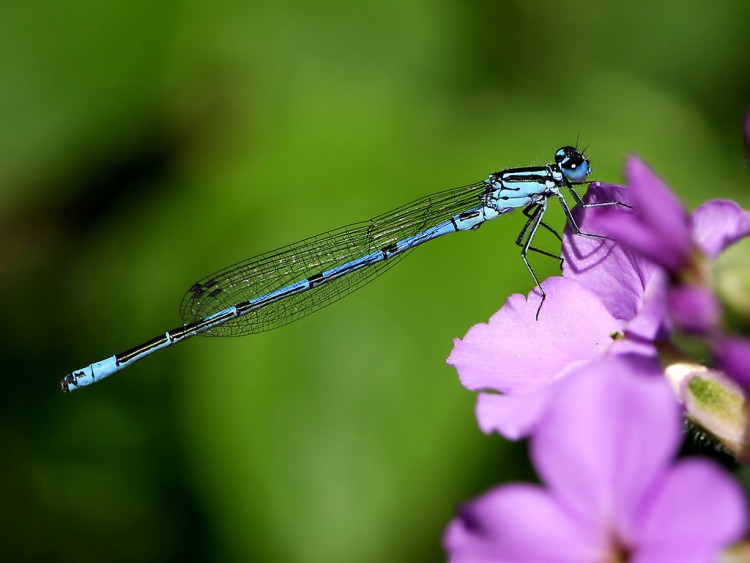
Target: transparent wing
[{"x": 274, "y": 270}]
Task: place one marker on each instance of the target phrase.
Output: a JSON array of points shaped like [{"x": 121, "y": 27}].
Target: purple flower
[
  {"x": 657, "y": 228},
  {"x": 718, "y": 224},
  {"x": 609, "y": 302},
  {"x": 660, "y": 230},
  {"x": 611, "y": 489},
  {"x": 521, "y": 357},
  {"x": 684, "y": 246},
  {"x": 631, "y": 287},
  {"x": 693, "y": 308}
]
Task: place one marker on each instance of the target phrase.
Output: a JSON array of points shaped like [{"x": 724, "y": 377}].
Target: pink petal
[
  {"x": 717, "y": 224},
  {"x": 614, "y": 427},
  {"x": 656, "y": 227},
  {"x": 631, "y": 287},
  {"x": 513, "y": 416},
  {"x": 733, "y": 357},
  {"x": 521, "y": 523},
  {"x": 696, "y": 510},
  {"x": 653, "y": 321},
  {"x": 515, "y": 353},
  {"x": 658, "y": 206},
  {"x": 613, "y": 274},
  {"x": 694, "y": 309}
]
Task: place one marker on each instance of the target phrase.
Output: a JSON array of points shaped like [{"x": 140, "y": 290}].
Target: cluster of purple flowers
[{"x": 601, "y": 383}]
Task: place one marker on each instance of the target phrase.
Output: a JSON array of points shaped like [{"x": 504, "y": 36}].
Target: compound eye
[
  {"x": 576, "y": 168},
  {"x": 572, "y": 162}
]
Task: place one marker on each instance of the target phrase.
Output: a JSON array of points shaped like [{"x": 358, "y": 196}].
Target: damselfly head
[{"x": 574, "y": 166}]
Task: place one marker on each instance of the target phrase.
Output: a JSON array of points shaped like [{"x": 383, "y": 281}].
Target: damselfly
[{"x": 282, "y": 286}]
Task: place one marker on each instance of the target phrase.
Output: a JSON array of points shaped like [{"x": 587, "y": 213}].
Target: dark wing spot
[{"x": 199, "y": 289}]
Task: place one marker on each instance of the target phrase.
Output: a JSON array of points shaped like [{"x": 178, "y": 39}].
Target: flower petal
[
  {"x": 653, "y": 321},
  {"x": 657, "y": 206},
  {"x": 514, "y": 416},
  {"x": 733, "y": 357},
  {"x": 613, "y": 428},
  {"x": 515, "y": 353},
  {"x": 656, "y": 228},
  {"x": 694, "y": 308},
  {"x": 717, "y": 224},
  {"x": 601, "y": 265},
  {"x": 696, "y": 510},
  {"x": 631, "y": 287},
  {"x": 520, "y": 523}
]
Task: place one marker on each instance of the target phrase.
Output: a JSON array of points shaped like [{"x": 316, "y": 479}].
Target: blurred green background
[{"x": 144, "y": 145}]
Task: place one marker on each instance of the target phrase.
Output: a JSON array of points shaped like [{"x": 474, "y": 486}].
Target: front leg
[{"x": 579, "y": 200}]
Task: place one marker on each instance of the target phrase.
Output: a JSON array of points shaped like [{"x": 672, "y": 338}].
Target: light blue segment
[{"x": 94, "y": 372}]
